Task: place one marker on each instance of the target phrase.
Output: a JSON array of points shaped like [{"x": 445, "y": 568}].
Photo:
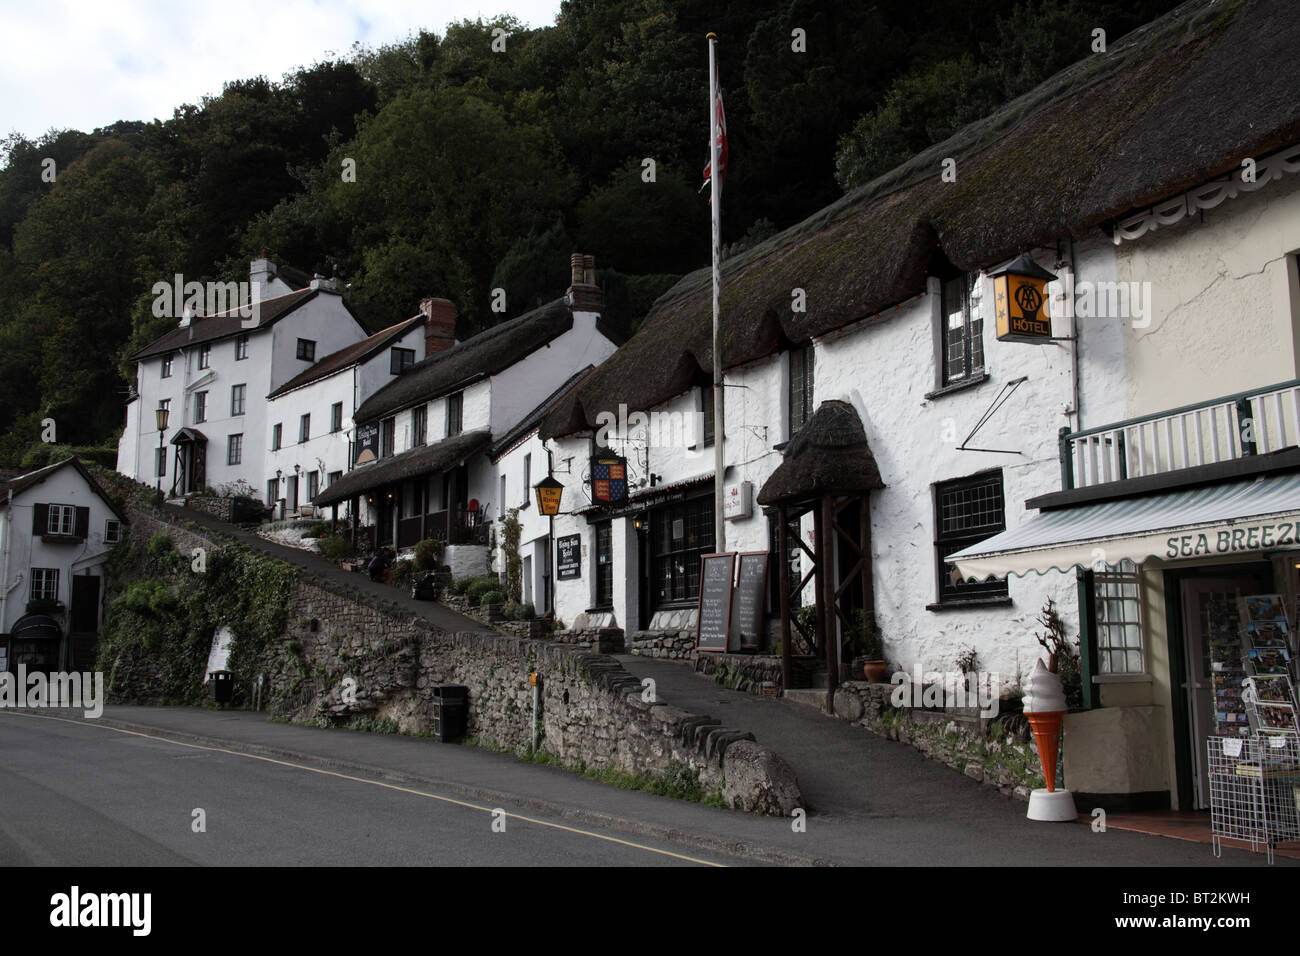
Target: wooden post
[
  {"x": 819, "y": 633},
  {"x": 827, "y": 564},
  {"x": 783, "y": 575},
  {"x": 864, "y": 542}
]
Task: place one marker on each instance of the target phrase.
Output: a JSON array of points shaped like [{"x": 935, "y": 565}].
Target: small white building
[{"x": 57, "y": 527}]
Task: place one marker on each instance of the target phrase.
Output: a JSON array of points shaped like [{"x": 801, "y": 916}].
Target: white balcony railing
[{"x": 1222, "y": 429}]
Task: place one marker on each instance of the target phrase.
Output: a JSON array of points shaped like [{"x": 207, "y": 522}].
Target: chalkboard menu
[
  {"x": 366, "y": 448},
  {"x": 716, "y": 571},
  {"x": 751, "y": 593},
  {"x": 568, "y": 557}
]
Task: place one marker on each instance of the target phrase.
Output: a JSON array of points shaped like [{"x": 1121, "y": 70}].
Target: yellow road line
[{"x": 378, "y": 783}]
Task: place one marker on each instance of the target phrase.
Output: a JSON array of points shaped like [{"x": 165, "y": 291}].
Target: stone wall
[
  {"x": 997, "y": 751},
  {"x": 347, "y": 653},
  {"x": 674, "y": 645},
  {"x": 743, "y": 672}
]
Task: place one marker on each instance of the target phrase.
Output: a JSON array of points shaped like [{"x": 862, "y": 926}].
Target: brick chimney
[
  {"x": 439, "y": 325},
  {"x": 583, "y": 292}
]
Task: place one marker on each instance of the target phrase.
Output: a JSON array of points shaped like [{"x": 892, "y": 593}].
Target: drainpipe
[{"x": 4, "y": 562}]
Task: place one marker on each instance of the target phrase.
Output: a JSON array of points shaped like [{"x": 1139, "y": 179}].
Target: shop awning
[
  {"x": 425, "y": 460},
  {"x": 1206, "y": 522}
]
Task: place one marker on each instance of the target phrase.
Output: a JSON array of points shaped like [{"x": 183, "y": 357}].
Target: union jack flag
[{"x": 608, "y": 479}]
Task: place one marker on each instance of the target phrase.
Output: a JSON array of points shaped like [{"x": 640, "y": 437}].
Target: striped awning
[{"x": 1207, "y": 522}]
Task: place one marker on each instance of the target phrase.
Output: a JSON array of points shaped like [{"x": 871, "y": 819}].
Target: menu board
[
  {"x": 568, "y": 557},
  {"x": 750, "y": 600},
  {"x": 714, "y": 618}
]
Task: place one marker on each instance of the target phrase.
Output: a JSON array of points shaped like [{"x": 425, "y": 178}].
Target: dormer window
[
  {"x": 166, "y": 366},
  {"x": 306, "y": 350},
  {"x": 963, "y": 331},
  {"x": 401, "y": 359},
  {"x": 205, "y": 356}
]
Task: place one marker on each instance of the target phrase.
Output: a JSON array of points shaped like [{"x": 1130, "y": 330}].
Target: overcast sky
[{"x": 87, "y": 63}]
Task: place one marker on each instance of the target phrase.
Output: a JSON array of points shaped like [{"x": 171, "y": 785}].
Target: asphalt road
[{"x": 80, "y": 794}]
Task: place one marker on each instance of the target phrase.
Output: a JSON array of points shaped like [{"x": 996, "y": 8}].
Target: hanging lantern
[
  {"x": 1020, "y": 301},
  {"x": 548, "y": 491}
]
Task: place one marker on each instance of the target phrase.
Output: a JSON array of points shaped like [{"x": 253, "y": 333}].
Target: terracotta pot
[{"x": 877, "y": 672}]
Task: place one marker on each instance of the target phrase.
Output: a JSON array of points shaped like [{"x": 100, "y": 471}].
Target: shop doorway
[{"x": 1196, "y": 595}]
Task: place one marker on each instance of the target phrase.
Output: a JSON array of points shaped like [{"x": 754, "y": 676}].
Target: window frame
[
  {"x": 235, "y": 449},
  {"x": 455, "y": 413},
  {"x": 241, "y": 347},
  {"x": 965, "y": 593},
  {"x": 972, "y": 331},
  {"x": 200, "y": 407},
  {"x": 167, "y": 365},
  {"x": 238, "y": 399},
  {"x": 388, "y": 437},
  {"x": 707, "y": 437},
  {"x": 336, "y": 417},
  {"x": 205, "y": 355},
  {"x": 54, "y": 521},
  {"x": 679, "y": 582},
  {"x": 400, "y": 359},
  {"x": 277, "y": 436},
  {"x": 802, "y": 368},
  {"x": 1128, "y": 574},
  {"x": 306, "y": 350},
  {"x": 528, "y": 478},
  {"x": 419, "y": 426},
  {"x": 603, "y": 580},
  {"x": 47, "y": 592},
  {"x": 304, "y": 428},
  {"x": 116, "y": 524}
]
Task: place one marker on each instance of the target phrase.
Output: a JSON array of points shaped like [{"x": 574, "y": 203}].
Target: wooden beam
[
  {"x": 783, "y": 556},
  {"x": 827, "y": 598},
  {"x": 868, "y": 585}
]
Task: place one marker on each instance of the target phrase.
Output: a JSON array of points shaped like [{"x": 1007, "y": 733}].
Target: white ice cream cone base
[{"x": 1052, "y": 806}]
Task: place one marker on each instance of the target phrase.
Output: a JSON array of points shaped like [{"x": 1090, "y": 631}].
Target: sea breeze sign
[
  {"x": 608, "y": 479},
  {"x": 1256, "y": 536}
]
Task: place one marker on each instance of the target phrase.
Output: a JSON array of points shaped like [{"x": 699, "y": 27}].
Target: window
[
  {"x": 966, "y": 512},
  {"x": 304, "y": 428},
  {"x": 707, "y": 406},
  {"x": 336, "y": 417},
  {"x": 801, "y": 386},
  {"x": 333, "y": 477},
  {"x": 400, "y": 359},
  {"x": 963, "y": 331},
  {"x": 277, "y": 432},
  {"x": 45, "y": 584},
  {"x": 241, "y": 348},
  {"x": 205, "y": 356},
  {"x": 419, "y": 425},
  {"x": 62, "y": 520},
  {"x": 313, "y": 484},
  {"x": 528, "y": 478},
  {"x": 387, "y": 437},
  {"x": 455, "y": 409},
  {"x": 235, "y": 450},
  {"x": 160, "y": 462},
  {"x": 112, "y": 531},
  {"x": 237, "y": 393},
  {"x": 503, "y": 497},
  {"x": 679, "y": 535},
  {"x": 604, "y": 572},
  {"x": 167, "y": 366},
  {"x": 307, "y": 350},
  {"x": 200, "y": 407},
  {"x": 1117, "y": 594}
]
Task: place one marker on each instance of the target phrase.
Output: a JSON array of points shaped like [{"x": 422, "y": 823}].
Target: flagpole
[{"x": 719, "y": 418}]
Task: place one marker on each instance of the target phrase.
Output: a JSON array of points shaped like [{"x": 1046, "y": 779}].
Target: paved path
[{"x": 437, "y": 614}]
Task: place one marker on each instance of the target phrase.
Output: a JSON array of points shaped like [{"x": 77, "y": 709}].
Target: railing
[{"x": 1221, "y": 429}]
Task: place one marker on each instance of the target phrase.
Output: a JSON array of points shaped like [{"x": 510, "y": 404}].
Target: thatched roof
[
  {"x": 829, "y": 455},
  {"x": 1177, "y": 102},
  {"x": 424, "y": 460},
  {"x": 487, "y": 353}
]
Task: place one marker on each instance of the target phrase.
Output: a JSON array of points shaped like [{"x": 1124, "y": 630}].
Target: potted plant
[{"x": 870, "y": 645}]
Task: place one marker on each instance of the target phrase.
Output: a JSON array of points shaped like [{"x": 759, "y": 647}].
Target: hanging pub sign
[
  {"x": 608, "y": 479},
  {"x": 1020, "y": 301},
  {"x": 367, "y": 444},
  {"x": 568, "y": 557}
]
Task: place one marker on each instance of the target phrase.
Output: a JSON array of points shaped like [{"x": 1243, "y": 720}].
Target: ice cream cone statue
[{"x": 1045, "y": 708}]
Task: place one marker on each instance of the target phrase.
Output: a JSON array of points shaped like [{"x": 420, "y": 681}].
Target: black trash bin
[
  {"x": 223, "y": 686},
  {"x": 450, "y": 710}
]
